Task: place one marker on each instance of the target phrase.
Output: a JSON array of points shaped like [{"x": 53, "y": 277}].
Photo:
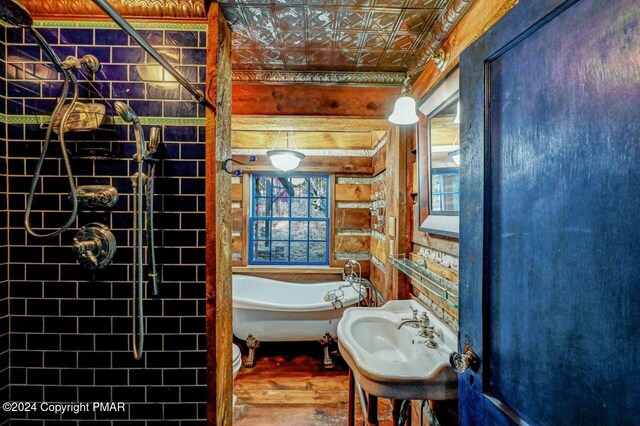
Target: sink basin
[{"x": 396, "y": 363}]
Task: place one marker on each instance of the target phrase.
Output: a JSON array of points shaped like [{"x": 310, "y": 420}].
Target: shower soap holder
[
  {"x": 94, "y": 246},
  {"x": 97, "y": 196},
  {"x": 84, "y": 117}
]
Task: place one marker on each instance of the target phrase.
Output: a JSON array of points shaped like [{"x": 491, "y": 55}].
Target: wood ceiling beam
[
  {"x": 311, "y": 124},
  {"x": 308, "y": 100},
  {"x": 242, "y": 139}
]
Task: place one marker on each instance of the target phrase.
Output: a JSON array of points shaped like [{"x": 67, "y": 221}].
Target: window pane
[
  {"x": 300, "y": 187},
  {"x": 280, "y": 207},
  {"x": 261, "y": 251},
  {"x": 318, "y": 186},
  {"x": 450, "y": 183},
  {"x": 299, "y": 207},
  {"x": 299, "y": 230},
  {"x": 279, "y": 251},
  {"x": 450, "y": 202},
  {"x": 260, "y": 231},
  {"x": 281, "y": 187},
  {"x": 317, "y": 252},
  {"x": 435, "y": 203},
  {"x": 280, "y": 230},
  {"x": 261, "y": 186},
  {"x": 317, "y": 230},
  {"x": 298, "y": 252},
  {"x": 260, "y": 206},
  {"x": 319, "y": 208}
]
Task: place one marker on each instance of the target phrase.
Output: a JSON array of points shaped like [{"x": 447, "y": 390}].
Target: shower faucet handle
[
  {"x": 85, "y": 250},
  {"x": 94, "y": 246}
]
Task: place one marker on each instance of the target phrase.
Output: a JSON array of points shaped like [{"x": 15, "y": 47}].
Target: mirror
[{"x": 438, "y": 154}]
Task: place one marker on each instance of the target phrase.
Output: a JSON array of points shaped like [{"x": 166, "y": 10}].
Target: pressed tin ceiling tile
[
  {"x": 348, "y": 41},
  {"x": 340, "y": 35},
  {"x": 289, "y": 18},
  {"x": 293, "y": 40},
  {"x": 375, "y": 41},
  {"x": 402, "y": 42},
  {"x": 353, "y": 20}
]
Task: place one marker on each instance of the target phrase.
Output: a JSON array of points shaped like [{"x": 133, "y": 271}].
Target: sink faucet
[
  {"x": 423, "y": 322},
  {"x": 426, "y": 329}
]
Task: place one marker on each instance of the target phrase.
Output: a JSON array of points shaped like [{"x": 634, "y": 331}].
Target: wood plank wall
[{"x": 378, "y": 237}]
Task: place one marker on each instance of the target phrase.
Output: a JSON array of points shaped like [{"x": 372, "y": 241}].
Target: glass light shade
[
  {"x": 285, "y": 159},
  {"x": 404, "y": 111},
  {"x": 455, "y": 156}
]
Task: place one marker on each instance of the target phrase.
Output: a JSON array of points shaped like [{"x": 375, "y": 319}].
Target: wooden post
[
  {"x": 396, "y": 225},
  {"x": 218, "y": 221}
]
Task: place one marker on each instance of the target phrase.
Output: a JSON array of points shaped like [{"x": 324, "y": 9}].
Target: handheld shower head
[
  {"x": 126, "y": 112},
  {"x": 14, "y": 14}
]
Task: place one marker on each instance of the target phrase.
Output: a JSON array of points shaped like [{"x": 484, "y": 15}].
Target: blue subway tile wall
[
  {"x": 70, "y": 328},
  {"x": 4, "y": 235}
]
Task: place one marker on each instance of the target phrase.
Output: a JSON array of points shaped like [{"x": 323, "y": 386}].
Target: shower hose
[{"x": 69, "y": 78}]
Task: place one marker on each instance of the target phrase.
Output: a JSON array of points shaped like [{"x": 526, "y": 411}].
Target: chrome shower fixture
[
  {"x": 94, "y": 246},
  {"x": 126, "y": 112},
  {"x": 97, "y": 196},
  {"x": 89, "y": 63},
  {"x": 143, "y": 189}
]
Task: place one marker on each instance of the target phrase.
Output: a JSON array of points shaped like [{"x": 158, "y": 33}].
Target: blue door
[{"x": 550, "y": 216}]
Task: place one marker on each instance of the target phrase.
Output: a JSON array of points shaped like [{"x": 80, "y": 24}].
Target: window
[
  {"x": 289, "y": 220},
  {"x": 445, "y": 190}
]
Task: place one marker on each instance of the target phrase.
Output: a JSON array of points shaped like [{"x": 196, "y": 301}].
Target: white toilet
[
  {"x": 237, "y": 360},
  {"x": 237, "y": 363}
]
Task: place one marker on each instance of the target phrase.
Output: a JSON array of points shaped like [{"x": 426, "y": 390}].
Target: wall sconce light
[
  {"x": 285, "y": 159},
  {"x": 404, "y": 111}
]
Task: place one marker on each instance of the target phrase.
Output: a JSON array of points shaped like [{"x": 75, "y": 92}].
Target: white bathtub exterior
[{"x": 277, "y": 311}]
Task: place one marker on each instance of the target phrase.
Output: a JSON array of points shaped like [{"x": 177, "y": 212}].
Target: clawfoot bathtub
[{"x": 277, "y": 311}]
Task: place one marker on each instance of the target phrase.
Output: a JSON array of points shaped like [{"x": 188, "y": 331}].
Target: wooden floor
[{"x": 290, "y": 386}]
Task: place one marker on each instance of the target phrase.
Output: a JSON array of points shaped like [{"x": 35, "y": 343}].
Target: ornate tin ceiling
[{"x": 330, "y": 35}]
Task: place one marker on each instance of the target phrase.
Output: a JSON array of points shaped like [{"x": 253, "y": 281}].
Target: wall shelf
[{"x": 429, "y": 281}]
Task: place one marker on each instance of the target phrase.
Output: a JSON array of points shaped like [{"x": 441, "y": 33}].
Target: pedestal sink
[{"x": 395, "y": 363}]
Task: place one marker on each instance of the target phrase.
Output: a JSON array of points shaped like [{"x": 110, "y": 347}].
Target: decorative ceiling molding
[
  {"x": 128, "y": 8},
  {"x": 433, "y": 45},
  {"x": 321, "y": 77}
]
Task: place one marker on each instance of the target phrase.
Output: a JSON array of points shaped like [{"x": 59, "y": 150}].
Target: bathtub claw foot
[
  {"x": 252, "y": 344},
  {"x": 325, "y": 341}
]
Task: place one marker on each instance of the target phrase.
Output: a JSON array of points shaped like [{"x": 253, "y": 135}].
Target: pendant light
[
  {"x": 404, "y": 111},
  {"x": 285, "y": 159}
]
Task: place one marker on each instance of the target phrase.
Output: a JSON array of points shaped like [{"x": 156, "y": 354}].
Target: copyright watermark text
[{"x": 64, "y": 408}]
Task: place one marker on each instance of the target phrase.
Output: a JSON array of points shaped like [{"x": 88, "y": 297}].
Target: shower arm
[{"x": 122, "y": 23}]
